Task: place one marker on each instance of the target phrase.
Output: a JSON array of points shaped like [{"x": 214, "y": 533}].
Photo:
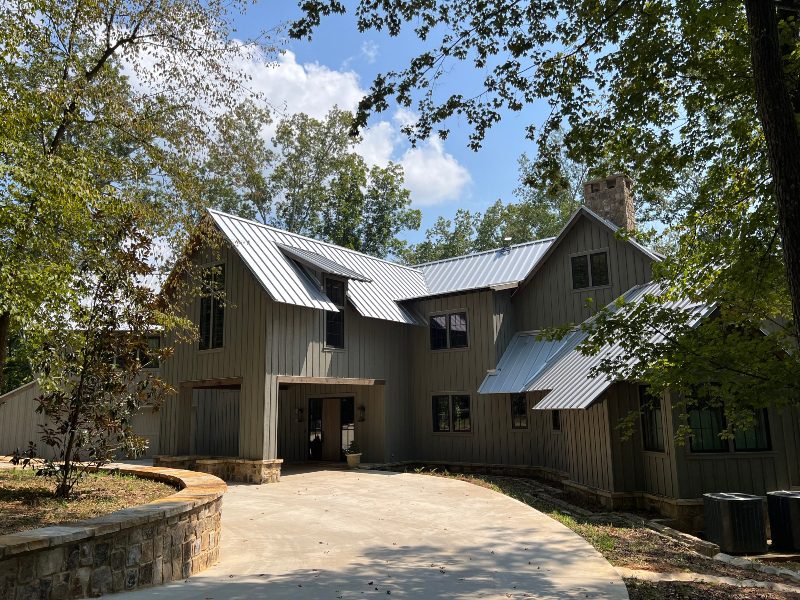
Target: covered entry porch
[{"x": 318, "y": 417}]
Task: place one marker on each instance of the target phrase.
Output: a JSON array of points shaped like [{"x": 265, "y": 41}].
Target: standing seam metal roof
[
  {"x": 567, "y": 374},
  {"x": 483, "y": 269},
  {"x": 524, "y": 358},
  {"x": 259, "y": 247}
]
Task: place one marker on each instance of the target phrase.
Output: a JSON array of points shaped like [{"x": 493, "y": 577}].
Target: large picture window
[
  {"x": 652, "y": 421},
  {"x": 212, "y": 308},
  {"x": 451, "y": 412},
  {"x": 707, "y": 422},
  {"x": 334, "y": 321},
  {"x": 449, "y": 331},
  {"x": 590, "y": 270},
  {"x": 519, "y": 411}
]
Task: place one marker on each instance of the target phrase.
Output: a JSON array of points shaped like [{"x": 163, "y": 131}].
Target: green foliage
[
  {"x": 682, "y": 96},
  {"x": 546, "y": 197},
  {"x": 90, "y": 353},
  {"x": 109, "y": 114},
  {"x": 313, "y": 182}
]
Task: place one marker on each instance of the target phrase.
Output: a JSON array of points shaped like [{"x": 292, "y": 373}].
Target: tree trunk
[
  {"x": 5, "y": 325},
  {"x": 776, "y": 112}
]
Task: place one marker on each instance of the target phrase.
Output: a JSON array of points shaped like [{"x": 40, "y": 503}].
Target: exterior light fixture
[
  {"x": 362, "y": 413},
  {"x": 298, "y": 413}
]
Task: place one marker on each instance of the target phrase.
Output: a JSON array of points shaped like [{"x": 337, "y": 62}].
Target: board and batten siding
[
  {"x": 215, "y": 422},
  {"x": 243, "y": 356},
  {"x": 548, "y": 300},
  {"x": 459, "y": 370},
  {"x": 19, "y": 421},
  {"x": 746, "y": 472},
  {"x": 293, "y": 437},
  {"x": 21, "y": 424},
  {"x": 374, "y": 349}
]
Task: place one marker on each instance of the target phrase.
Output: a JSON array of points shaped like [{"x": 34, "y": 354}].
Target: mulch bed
[
  {"x": 668, "y": 590},
  {"x": 27, "y": 502}
]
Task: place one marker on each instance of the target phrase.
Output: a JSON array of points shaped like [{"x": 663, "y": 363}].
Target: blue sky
[{"x": 338, "y": 65}]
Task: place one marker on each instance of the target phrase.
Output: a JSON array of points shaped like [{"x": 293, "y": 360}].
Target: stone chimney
[{"x": 610, "y": 197}]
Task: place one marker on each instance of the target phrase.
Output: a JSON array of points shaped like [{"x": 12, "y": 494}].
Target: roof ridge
[
  {"x": 460, "y": 256},
  {"x": 310, "y": 239}
]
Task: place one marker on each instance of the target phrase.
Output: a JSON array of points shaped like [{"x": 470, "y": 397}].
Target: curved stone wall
[{"x": 162, "y": 541}]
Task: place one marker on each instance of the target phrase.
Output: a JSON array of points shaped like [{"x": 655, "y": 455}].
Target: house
[{"x": 316, "y": 345}]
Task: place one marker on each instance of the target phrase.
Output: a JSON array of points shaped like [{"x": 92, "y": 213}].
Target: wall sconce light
[
  {"x": 298, "y": 413},
  {"x": 362, "y": 413}
]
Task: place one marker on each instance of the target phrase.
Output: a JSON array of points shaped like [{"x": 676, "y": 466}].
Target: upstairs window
[
  {"x": 590, "y": 270},
  {"x": 451, "y": 413},
  {"x": 449, "y": 331},
  {"x": 334, "y": 321},
  {"x": 212, "y": 308},
  {"x": 556, "y": 420},
  {"x": 652, "y": 423},
  {"x": 149, "y": 359},
  {"x": 519, "y": 411}
]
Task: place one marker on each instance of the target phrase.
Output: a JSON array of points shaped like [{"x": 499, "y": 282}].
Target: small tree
[{"x": 92, "y": 353}]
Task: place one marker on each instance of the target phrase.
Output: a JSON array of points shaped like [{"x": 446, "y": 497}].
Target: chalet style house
[{"x": 316, "y": 345}]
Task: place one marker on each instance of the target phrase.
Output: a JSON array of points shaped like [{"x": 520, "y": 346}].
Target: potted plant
[{"x": 353, "y": 455}]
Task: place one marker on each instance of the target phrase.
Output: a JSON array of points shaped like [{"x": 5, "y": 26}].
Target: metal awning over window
[
  {"x": 321, "y": 263},
  {"x": 525, "y": 357}
]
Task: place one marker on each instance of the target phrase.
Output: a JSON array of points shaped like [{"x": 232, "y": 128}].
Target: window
[
  {"x": 212, "y": 308},
  {"x": 556, "y": 416},
  {"x": 451, "y": 413},
  {"x": 756, "y": 438},
  {"x": 590, "y": 270},
  {"x": 449, "y": 331},
  {"x": 652, "y": 423},
  {"x": 707, "y": 423},
  {"x": 519, "y": 411},
  {"x": 334, "y": 321},
  {"x": 149, "y": 359},
  {"x": 438, "y": 332},
  {"x": 441, "y": 413}
]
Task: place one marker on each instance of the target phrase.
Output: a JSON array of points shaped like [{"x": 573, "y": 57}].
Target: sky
[{"x": 337, "y": 67}]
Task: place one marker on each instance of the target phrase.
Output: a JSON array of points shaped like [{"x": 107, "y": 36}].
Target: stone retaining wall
[
  {"x": 228, "y": 468},
  {"x": 162, "y": 541}
]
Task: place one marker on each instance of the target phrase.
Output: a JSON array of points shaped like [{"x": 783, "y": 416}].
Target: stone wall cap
[{"x": 195, "y": 489}]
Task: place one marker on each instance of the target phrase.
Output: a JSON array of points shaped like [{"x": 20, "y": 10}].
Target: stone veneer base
[
  {"x": 165, "y": 540},
  {"x": 228, "y": 468}
]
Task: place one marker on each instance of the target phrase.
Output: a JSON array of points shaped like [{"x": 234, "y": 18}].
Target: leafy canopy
[
  {"x": 312, "y": 181},
  {"x": 681, "y": 96}
]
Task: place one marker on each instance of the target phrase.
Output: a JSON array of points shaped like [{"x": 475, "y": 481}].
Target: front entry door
[
  {"x": 331, "y": 409},
  {"x": 331, "y": 427}
]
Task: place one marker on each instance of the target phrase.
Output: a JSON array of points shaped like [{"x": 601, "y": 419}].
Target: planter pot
[{"x": 353, "y": 460}]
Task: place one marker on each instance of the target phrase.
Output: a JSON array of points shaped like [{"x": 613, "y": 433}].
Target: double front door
[{"x": 331, "y": 427}]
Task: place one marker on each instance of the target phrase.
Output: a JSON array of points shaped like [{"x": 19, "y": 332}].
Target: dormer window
[
  {"x": 590, "y": 270},
  {"x": 449, "y": 331},
  {"x": 334, "y": 321}
]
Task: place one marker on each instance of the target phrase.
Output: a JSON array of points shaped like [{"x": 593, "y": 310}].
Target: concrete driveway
[{"x": 356, "y": 534}]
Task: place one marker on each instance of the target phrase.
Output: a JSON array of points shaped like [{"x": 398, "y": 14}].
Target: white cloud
[
  {"x": 433, "y": 175},
  {"x": 369, "y": 50}
]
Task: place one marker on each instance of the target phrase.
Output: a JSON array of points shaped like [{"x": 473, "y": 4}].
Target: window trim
[
  {"x": 211, "y": 347},
  {"x": 451, "y": 413},
  {"x": 149, "y": 365},
  {"x": 447, "y": 314},
  {"x": 327, "y": 347},
  {"x": 513, "y": 397},
  {"x": 588, "y": 255}
]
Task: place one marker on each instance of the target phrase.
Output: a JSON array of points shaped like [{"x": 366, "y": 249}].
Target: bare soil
[
  {"x": 667, "y": 590},
  {"x": 27, "y": 501}
]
